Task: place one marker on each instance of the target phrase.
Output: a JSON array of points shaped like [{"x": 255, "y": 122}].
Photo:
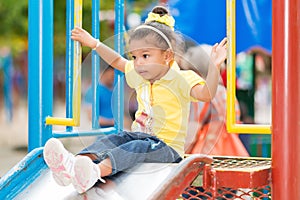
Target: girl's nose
[{"x": 138, "y": 61}]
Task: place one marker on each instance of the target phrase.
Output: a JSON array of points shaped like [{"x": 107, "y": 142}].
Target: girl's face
[{"x": 150, "y": 62}]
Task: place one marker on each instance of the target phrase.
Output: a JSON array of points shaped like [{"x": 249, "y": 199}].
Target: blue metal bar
[
  {"x": 118, "y": 111},
  {"x": 69, "y": 59},
  {"x": 95, "y": 64},
  {"x": 95, "y": 132},
  {"x": 40, "y": 71},
  {"x": 22, "y": 174}
]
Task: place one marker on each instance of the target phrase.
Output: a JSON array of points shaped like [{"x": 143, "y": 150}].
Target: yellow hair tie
[{"x": 166, "y": 19}]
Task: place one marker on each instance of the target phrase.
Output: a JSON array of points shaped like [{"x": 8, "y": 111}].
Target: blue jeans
[{"x": 126, "y": 149}]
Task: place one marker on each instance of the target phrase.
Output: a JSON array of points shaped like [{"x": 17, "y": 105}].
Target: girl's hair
[
  {"x": 160, "y": 10},
  {"x": 175, "y": 38}
]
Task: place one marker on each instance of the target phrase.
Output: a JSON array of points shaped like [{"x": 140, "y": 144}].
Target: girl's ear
[{"x": 169, "y": 55}]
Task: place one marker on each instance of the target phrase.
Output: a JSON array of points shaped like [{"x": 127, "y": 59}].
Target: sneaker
[
  {"x": 86, "y": 174},
  {"x": 59, "y": 160}
]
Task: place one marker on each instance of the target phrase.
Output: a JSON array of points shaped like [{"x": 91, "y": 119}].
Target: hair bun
[
  {"x": 160, "y": 10},
  {"x": 161, "y": 15}
]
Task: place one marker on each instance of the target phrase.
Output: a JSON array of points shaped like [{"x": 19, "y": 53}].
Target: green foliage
[
  {"x": 13, "y": 17},
  {"x": 14, "y": 22}
]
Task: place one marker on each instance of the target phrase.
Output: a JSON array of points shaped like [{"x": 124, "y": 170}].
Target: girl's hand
[
  {"x": 82, "y": 36},
  {"x": 219, "y": 53}
]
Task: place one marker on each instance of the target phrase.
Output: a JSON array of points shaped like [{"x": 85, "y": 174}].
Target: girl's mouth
[{"x": 142, "y": 72}]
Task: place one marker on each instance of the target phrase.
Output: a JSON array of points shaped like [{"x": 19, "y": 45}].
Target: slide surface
[
  {"x": 31, "y": 179},
  {"x": 138, "y": 183}
]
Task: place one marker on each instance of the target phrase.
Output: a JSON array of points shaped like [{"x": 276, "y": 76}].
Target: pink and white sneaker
[
  {"x": 59, "y": 160},
  {"x": 86, "y": 174}
]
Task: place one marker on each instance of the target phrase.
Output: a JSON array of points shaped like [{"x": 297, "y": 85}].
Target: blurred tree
[{"x": 14, "y": 22}]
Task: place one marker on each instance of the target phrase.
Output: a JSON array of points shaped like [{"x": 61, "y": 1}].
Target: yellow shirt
[{"x": 164, "y": 106}]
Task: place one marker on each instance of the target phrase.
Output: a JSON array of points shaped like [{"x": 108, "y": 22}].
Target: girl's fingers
[
  {"x": 215, "y": 47},
  {"x": 223, "y": 42},
  {"x": 77, "y": 28}
]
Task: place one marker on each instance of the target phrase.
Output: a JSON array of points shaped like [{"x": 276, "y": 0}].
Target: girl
[{"x": 164, "y": 93}]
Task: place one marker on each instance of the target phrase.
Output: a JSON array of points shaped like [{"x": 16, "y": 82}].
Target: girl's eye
[
  {"x": 133, "y": 57},
  {"x": 146, "y": 55}
]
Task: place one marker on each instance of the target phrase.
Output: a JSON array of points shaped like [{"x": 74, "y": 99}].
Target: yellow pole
[
  {"x": 230, "y": 63},
  {"x": 75, "y": 121},
  {"x": 232, "y": 127},
  {"x": 77, "y": 65},
  {"x": 60, "y": 121}
]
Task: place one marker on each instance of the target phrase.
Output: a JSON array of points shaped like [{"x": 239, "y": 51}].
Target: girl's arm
[
  {"x": 207, "y": 92},
  {"x": 109, "y": 55}
]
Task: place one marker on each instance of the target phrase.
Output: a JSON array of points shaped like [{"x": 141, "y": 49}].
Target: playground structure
[
  {"x": 6, "y": 65},
  {"x": 279, "y": 178}
]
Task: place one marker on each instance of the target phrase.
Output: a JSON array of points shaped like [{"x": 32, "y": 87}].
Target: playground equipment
[
  {"x": 6, "y": 64},
  {"x": 223, "y": 176},
  {"x": 231, "y": 88}
]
